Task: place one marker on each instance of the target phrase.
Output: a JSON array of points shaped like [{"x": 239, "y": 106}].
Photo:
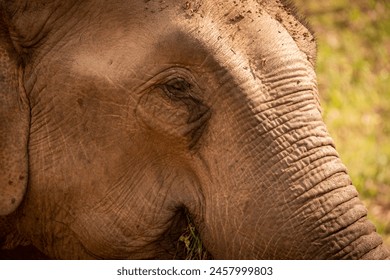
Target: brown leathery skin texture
[
  {"x": 142, "y": 111},
  {"x": 14, "y": 128}
]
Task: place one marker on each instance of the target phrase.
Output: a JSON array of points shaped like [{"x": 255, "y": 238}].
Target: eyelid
[
  {"x": 174, "y": 74},
  {"x": 166, "y": 75},
  {"x": 178, "y": 83}
]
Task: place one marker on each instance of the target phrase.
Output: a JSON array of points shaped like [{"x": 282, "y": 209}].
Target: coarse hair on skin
[{"x": 292, "y": 9}]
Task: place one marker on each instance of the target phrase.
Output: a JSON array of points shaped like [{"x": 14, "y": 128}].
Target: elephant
[{"x": 119, "y": 118}]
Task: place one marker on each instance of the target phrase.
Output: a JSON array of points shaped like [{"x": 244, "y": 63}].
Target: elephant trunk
[
  {"x": 323, "y": 205},
  {"x": 291, "y": 197},
  {"x": 317, "y": 216},
  {"x": 337, "y": 222}
]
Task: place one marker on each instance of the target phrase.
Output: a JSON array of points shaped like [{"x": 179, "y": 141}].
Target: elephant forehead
[
  {"x": 249, "y": 39},
  {"x": 254, "y": 45}
]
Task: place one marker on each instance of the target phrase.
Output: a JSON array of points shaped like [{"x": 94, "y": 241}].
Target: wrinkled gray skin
[{"x": 117, "y": 116}]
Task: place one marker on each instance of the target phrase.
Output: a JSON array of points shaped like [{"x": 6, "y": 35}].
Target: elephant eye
[
  {"x": 178, "y": 84},
  {"x": 177, "y": 87}
]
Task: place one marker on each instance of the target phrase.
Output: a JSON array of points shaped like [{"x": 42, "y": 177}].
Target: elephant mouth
[{"x": 189, "y": 244}]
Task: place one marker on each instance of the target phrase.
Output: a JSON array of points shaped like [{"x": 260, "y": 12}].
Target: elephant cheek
[{"x": 14, "y": 128}]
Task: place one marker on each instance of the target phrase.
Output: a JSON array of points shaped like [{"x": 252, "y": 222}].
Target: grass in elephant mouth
[{"x": 191, "y": 242}]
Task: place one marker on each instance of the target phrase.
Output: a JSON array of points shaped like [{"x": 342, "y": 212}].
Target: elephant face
[{"x": 140, "y": 112}]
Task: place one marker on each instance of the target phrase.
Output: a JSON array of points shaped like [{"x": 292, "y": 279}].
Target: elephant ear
[{"x": 14, "y": 127}]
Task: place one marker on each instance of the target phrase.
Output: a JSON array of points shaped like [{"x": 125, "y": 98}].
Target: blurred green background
[{"x": 353, "y": 70}]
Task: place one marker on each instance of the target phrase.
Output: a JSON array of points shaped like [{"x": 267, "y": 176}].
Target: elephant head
[{"x": 118, "y": 117}]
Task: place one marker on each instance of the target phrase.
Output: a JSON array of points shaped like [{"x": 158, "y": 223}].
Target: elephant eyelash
[
  {"x": 177, "y": 88},
  {"x": 178, "y": 84}
]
